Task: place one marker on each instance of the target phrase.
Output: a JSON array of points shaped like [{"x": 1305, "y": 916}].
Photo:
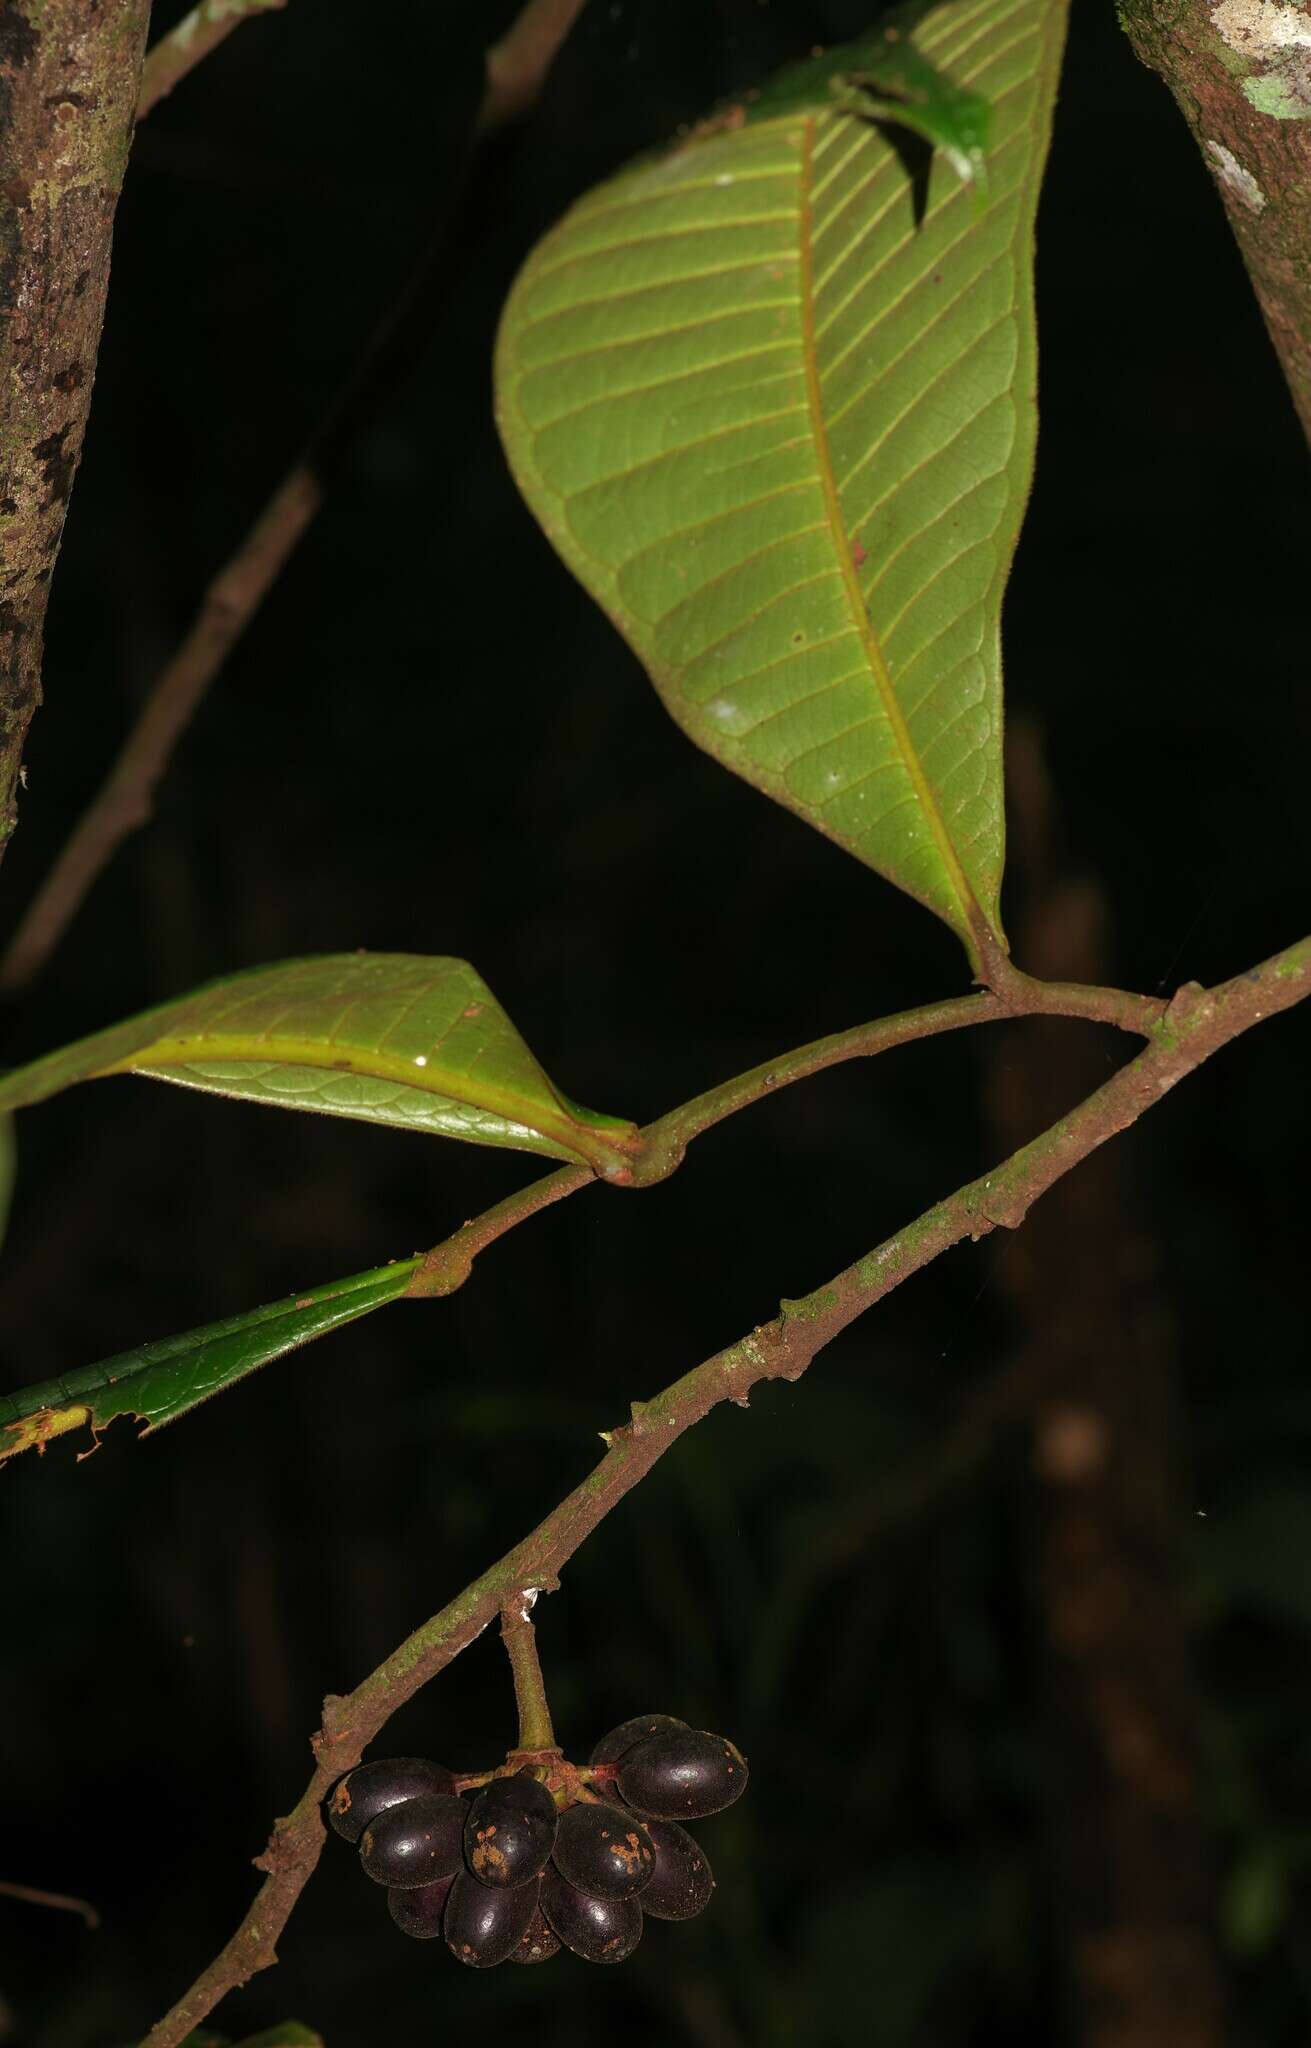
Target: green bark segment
[
  {"x": 774, "y": 403},
  {"x": 159, "y": 1382},
  {"x": 392, "y": 1038}
]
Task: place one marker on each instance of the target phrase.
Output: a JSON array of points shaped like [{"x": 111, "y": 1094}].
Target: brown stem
[
  {"x": 448, "y": 1265},
  {"x": 516, "y": 70},
  {"x": 124, "y": 800},
  {"x": 661, "y": 1148},
  {"x": 518, "y": 64},
  {"x": 520, "y": 1639},
  {"x": 1197, "y": 1023},
  {"x": 64, "y": 1902},
  {"x": 69, "y": 74},
  {"x": 199, "y": 32}
]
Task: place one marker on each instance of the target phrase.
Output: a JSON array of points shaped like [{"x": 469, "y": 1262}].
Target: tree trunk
[
  {"x": 69, "y": 75},
  {"x": 1240, "y": 71}
]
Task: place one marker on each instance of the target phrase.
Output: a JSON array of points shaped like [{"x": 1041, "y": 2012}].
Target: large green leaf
[
  {"x": 394, "y": 1038},
  {"x": 772, "y": 398},
  {"x": 158, "y": 1382}
]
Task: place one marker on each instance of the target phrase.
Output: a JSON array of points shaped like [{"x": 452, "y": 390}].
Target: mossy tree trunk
[
  {"x": 70, "y": 72},
  {"x": 1240, "y": 71}
]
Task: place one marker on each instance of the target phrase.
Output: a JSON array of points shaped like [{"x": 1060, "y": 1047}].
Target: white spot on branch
[{"x": 1234, "y": 178}]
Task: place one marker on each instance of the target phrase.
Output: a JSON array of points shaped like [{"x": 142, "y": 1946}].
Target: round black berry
[
  {"x": 369, "y": 1789},
  {"x": 510, "y": 1831},
  {"x": 484, "y": 1927},
  {"x": 682, "y": 1880},
  {"x": 538, "y": 1944},
  {"x": 598, "y": 1930},
  {"x": 412, "y": 1844},
  {"x": 612, "y": 1746},
  {"x": 419, "y": 1911},
  {"x": 603, "y": 1850},
  {"x": 682, "y": 1774}
]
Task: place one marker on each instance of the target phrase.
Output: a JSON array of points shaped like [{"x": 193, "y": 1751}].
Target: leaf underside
[
  {"x": 161, "y": 1381},
  {"x": 394, "y": 1038},
  {"x": 773, "y": 400}
]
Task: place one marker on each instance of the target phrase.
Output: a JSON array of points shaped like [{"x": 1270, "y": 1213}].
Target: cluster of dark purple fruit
[{"x": 543, "y": 1853}]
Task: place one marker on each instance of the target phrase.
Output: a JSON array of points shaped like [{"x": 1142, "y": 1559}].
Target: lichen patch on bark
[
  {"x": 1234, "y": 178},
  {"x": 1276, "y": 40}
]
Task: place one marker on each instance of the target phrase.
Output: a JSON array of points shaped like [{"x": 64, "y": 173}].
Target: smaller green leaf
[
  {"x": 160, "y": 1381},
  {"x": 393, "y": 1038},
  {"x": 886, "y": 78},
  {"x": 906, "y": 88}
]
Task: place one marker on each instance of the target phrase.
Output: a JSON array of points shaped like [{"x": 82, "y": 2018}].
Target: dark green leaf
[{"x": 161, "y": 1381}]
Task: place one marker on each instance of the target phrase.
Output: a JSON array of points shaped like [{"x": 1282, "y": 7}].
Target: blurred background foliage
[{"x": 430, "y": 741}]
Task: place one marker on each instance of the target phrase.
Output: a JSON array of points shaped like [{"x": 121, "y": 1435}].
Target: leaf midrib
[
  {"x": 970, "y": 910},
  {"x": 430, "y": 1079}
]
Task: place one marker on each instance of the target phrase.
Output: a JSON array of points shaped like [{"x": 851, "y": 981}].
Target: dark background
[{"x": 431, "y": 741}]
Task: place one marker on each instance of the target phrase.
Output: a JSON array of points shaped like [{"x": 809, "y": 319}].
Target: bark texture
[
  {"x": 70, "y": 71},
  {"x": 1240, "y": 71}
]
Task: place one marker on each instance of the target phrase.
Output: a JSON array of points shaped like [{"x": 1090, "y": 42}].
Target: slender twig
[
  {"x": 663, "y": 1144},
  {"x": 195, "y": 36},
  {"x": 124, "y": 800},
  {"x": 516, "y": 70},
  {"x": 64, "y": 1902},
  {"x": 520, "y": 1639},
  {"x": 448, "y": 1265},
  {"x": 1196, "y": 1024},
  {"x": 518, "y": 64}
]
